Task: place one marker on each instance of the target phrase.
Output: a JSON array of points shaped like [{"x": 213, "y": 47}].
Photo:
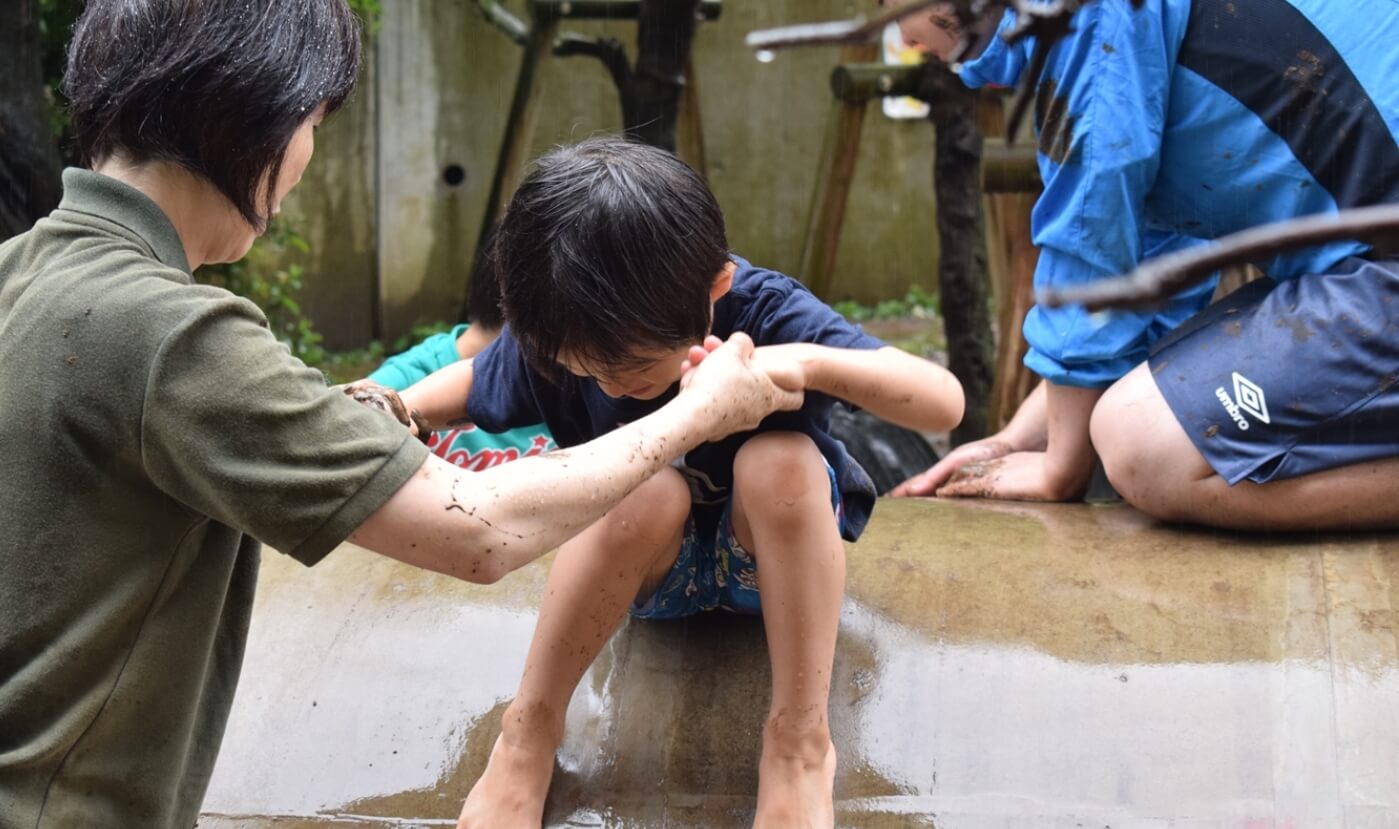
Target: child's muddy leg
[
  {"x": 595, "y": 578},
  {"x": 783, "y": 517}
]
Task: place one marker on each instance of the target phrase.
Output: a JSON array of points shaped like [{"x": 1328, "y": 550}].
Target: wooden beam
[
  {"x": 858, "y": 83},
  {"x": 1009, "y": 169},
  {"x": 839, "y": 152},
  {"x": 556, "y": 10},
  {"x": 1010, "y": 261},
  {"x": 519, "y": 125},
  {"x": 690, "y": 126}
]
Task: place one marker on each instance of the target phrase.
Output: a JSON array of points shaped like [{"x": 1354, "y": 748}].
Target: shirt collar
[{"x": 121, "y": 204}]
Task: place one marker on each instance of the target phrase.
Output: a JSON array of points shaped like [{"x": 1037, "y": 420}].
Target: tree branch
[
  {"x": 609, "y": 50},
  {"x": 1159, "y": 279}
]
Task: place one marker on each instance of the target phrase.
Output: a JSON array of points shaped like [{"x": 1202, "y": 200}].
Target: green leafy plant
[
  {"x": 918, "y": 302},
  {"x": 419, "y": 332},
  {"x": 368, "y": 12},
  {"x": 56, "y": 18},
  {"x": 344, "y": 366}
]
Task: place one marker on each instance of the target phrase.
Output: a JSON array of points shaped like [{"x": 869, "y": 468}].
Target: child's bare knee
[
  {"x": 780, "y": 470},
  {"x": 1128, "y": 432},
  {"x": 654, "y": 508},
  {"x": 1146, "y": 454},
  {"x": 1109, "y": 429}
]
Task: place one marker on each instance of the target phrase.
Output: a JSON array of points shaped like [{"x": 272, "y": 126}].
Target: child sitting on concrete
[
  {"x": 465, "y": 444},
  {"x": 614, "y": 268}
]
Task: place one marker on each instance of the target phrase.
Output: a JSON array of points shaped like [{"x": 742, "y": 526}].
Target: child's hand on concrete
[{"x": 977, "y": 453}]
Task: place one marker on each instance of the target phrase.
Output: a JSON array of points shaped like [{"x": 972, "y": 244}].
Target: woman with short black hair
[
  {"x": 219, "y": 88},
  {"x": 155, "y": 432}
]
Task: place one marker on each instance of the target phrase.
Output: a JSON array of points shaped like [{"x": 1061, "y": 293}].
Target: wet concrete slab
[{"x": 999, "y": 665}]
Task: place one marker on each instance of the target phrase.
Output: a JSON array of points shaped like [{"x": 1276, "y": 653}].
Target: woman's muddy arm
[{"x": 479, "y": 526}]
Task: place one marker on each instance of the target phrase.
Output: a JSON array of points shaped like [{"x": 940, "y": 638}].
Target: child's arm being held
[
  {"x": 441, "y": 396},
  {"x": 887, "y": 382}
]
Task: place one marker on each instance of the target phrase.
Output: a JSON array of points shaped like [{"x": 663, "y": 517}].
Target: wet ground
[{"x": 998, "y": 666}]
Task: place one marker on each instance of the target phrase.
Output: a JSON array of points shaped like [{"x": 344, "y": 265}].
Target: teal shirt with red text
[{"x": 466, "y": 446}]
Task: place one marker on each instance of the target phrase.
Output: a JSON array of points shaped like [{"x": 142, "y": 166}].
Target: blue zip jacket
[{"x": 1184, "y": 121}]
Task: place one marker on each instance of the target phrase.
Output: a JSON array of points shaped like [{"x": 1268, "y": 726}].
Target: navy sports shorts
[{"x": 1280, "y": 380}]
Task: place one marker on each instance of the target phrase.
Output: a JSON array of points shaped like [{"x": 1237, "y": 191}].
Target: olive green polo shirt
[{"x": 152, "y": 432}]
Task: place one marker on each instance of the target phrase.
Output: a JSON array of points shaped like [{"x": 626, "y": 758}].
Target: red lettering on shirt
[{"x": 442, "y": 444}]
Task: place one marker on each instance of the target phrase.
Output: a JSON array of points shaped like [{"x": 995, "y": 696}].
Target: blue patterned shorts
[{"x": 715, "y": 571}]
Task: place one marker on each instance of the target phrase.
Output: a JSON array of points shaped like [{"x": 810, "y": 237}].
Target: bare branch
[
  {"x": 835, "y": 32},
  {"x": 501, "y": 18},
  {"x": 1048, "y": 23},
  {"x": 609, "y": 50},
  {"x": 1157, "y": 280}
]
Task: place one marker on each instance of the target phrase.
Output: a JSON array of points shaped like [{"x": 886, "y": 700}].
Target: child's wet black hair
[
  {"x": 483, "y": 291},
  {"x": 609, "y": 248}
]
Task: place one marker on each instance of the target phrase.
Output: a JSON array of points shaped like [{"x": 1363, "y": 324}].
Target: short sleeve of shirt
[
  {"x": 237, "y": 429},
  {"x": 776, "y": 309},
  {"x": 505, "y": 392}
]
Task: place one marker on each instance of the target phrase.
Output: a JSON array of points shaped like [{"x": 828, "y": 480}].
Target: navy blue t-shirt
[{"x": 769, "y": 307}]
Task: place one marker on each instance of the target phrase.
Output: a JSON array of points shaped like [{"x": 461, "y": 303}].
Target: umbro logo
[{"x": 1248, "y": 399}]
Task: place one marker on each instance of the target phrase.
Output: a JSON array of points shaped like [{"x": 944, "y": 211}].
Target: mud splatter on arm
[{"x": 480, "y": 526}]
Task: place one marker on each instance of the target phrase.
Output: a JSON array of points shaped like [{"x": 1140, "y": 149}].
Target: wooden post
[
  {"x": 519, "y": 125},
  {"x": 1233, "y": 278},
  {"x": 654, "y": 92},
  {"x": 1009, "y": 169},
  {"x": 833, "y": 177},
  {"x": 658, "y": 97},
  {"x": 958, "y": 180},
  {"x": 1011, "y": 260},
  {"x": 962, "y": 279},
  {"x": 862, "y": 82},
  {"x": 690, "y": 126},
  {"x": 537, "y": 40},
  {"x": 657, "y": 20},
  {"x": 652, "y": 98}
]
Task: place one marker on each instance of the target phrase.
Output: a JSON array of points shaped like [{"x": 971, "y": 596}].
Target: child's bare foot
[
  {"x": 796, "y": 781},
  {"x": 510, "y": 792}
]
